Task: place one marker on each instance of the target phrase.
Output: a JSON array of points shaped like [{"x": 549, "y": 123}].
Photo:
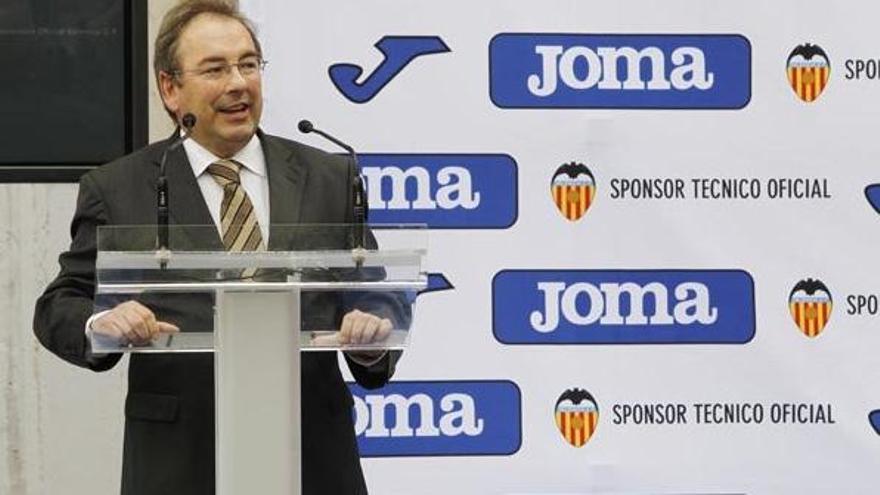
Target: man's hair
[{"x": 173, "y": 24}]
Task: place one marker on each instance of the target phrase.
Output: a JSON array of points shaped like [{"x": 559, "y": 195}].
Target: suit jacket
[{"x": 169, "y": 410}]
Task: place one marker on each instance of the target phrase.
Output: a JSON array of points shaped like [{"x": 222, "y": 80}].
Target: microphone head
[
  {"x": 305, "y": 126},
  {"x": 188, "y": 121}
]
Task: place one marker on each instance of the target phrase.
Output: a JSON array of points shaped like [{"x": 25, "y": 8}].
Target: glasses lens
[{"x": 215, "y": 71}]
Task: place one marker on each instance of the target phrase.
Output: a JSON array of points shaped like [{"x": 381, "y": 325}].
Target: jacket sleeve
[
  {"x": 394, "y": 306},
  {"x": 68, "y": 302},
  {"x": 377, "y": 374}
]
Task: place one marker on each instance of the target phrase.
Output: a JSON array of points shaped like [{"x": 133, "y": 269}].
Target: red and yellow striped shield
[
  {"x": 808, "y": 69},
  {"x": 573, "y": 189},
  {"x": 809, "y": 80},
  {"x": 573, "y": 197},
  {"x": 811, "y": 314},
  {"x": 577, "y": 424}
]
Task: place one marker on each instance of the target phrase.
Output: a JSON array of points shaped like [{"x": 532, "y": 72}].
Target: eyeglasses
[{"x": 249, "y": 67}]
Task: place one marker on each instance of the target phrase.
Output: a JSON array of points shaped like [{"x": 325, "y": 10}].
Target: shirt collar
[{"x": 251, "y": 156}]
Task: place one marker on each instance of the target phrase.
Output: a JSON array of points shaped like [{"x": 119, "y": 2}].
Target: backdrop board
[
  {"x": 73, "y": 86},
  {"x": 655, "y": 224}
]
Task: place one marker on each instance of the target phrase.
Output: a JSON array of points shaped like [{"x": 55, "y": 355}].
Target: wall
[{"x": 60, "y": 426}]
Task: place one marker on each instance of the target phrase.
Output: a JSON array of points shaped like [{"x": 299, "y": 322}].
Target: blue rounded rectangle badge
[
  {"x": 443, "y": 191},
  {"x": 438, "y": 418},
  {"x": 650, "y": 71},
  {"x": 623, "y": 307}
]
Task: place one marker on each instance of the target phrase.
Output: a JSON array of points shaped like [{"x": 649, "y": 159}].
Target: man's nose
[{"x": 236, "y": 79}]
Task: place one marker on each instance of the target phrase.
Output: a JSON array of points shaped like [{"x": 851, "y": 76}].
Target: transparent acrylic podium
[{"x": 256, "y": 311}]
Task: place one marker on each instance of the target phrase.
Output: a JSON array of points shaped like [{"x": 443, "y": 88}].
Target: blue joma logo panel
[
  {"x": 623, "y": 307},
  {"x": 438, "y": 418},
  {"x": 619, "y": 71},
  {"x": 463, "y": 191}
]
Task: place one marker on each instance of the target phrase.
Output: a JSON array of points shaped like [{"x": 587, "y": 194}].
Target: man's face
[{"x": 227, "y": 108}]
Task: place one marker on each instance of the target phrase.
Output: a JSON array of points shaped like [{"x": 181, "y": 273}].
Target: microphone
[
  {"x": 360, "y": 209},
  {"x": 188, "y": 122}
]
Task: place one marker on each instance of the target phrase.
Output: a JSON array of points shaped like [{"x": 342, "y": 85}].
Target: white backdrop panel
[{"x": 440, "y": 104}]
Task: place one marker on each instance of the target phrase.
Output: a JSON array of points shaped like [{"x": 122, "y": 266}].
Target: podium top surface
[
  {"x": 312, "y": 257},
  {"x": 189, "y": 260},
  {"x": 277, "y": 237}
]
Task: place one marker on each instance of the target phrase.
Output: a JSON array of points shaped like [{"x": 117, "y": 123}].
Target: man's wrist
[
  {"x": 90, "y": 355},
  {"x": 366, "y": 358}
]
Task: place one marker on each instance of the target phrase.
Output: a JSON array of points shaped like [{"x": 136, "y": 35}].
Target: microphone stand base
[
  {"x": 359, "y": 254},
  {"x": 163, "y": 256}
]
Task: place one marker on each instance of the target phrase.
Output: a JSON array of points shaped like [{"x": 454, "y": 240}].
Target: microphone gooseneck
[
  {"x": 187, "y": 123},
  {"x": 360, "y": 208}
]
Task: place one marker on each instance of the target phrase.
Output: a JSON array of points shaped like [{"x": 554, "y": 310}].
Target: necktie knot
[{"x": 225, "y": 172}]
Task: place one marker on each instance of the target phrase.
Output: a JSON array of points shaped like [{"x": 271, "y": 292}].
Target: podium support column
[{"x": 257, "y": 392}]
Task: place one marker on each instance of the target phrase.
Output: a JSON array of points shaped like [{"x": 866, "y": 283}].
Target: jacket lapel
[
  {"x": 287, "y": 179},
  {"x": 186, "y": 204}
]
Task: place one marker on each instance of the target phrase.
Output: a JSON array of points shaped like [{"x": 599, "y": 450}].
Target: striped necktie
[{"x": 238, "y": 220}]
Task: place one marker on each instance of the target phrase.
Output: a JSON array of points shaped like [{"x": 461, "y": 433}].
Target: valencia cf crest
[
  {"x": 573, "y": 189},
  {"x": 810, "y": 305},
  {"x": 808, "y": 70},
  {"x": 577, "y": 416}
]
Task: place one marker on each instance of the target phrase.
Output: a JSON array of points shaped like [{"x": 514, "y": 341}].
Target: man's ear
[{"x": 169, "y": 91}]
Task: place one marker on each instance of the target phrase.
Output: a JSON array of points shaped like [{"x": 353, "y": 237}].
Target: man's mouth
[{"x": 234, "y": 109}]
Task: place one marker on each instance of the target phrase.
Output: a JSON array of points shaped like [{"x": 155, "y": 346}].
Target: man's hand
[
  {"x": 131, "y": 323},
  {"x": 359, "y": 327}
]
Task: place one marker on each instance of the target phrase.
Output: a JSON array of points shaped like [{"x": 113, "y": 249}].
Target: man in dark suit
[{"x": 208, "y": 63}]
